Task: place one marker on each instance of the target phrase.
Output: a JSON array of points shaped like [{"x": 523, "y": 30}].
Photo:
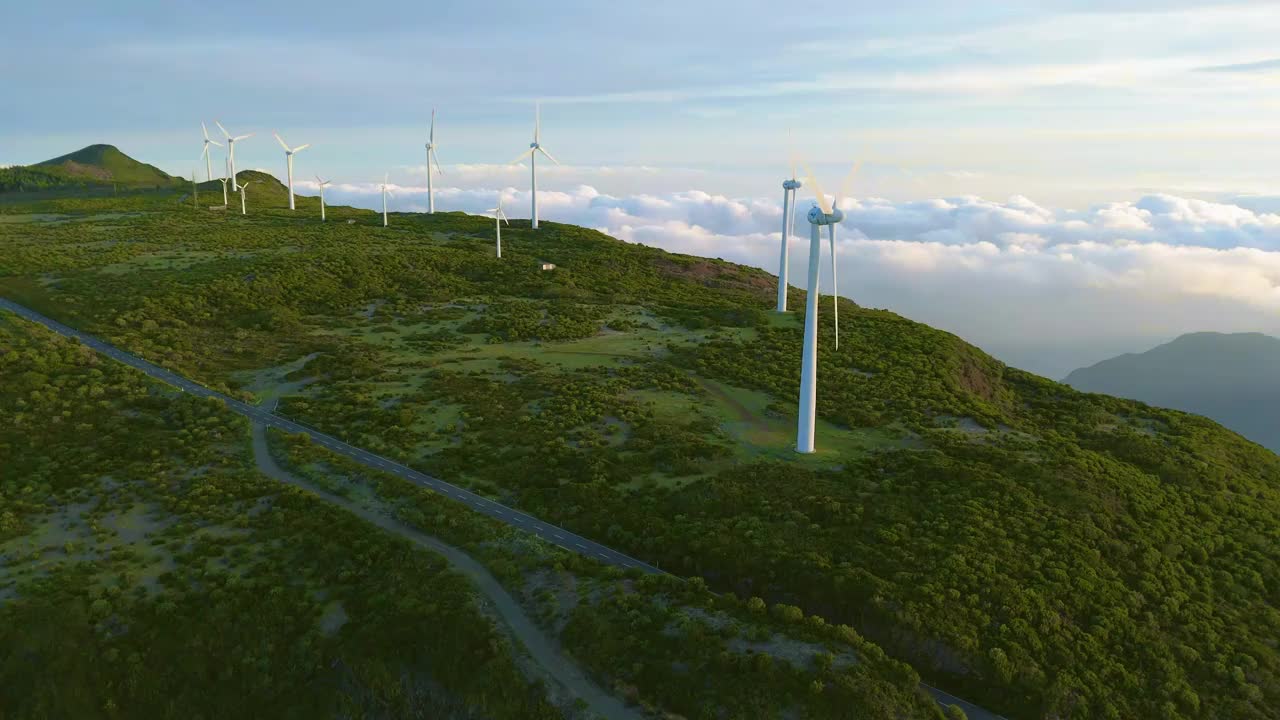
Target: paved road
[{"x": 523, "y": 521}]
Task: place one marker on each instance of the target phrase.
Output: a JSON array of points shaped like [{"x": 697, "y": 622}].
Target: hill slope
[
  {"x": 1230, "y": 378},
  {"x": 1044, "y": 552},
  {"x": 92, "y": 165}
]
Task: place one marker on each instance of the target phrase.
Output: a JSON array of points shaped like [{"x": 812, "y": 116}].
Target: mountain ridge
[
  {"x": 99, "y": 164},
  {"x": 1020, "y": 543},
  {"x": 1228, "y": 377}
]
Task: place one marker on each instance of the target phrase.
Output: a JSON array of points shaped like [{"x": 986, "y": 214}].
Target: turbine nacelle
[
  {"x": 792, "y": 184},
  {"x": 817, "y": 216}
]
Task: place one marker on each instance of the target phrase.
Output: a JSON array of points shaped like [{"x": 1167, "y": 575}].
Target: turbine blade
[
  {"x": 544, "y": 152},
  {"x": 206, "y": 131},
  {"x": 300, "y": 148},
  {"x": 817, "y": 190},
  {"x": 281, "y": 141},
  {"x": 205, "y": 152},
  {"x": 537, "y": 120},
  {"x": 791, "y": 154},
  {"x": 213, "y": 142},
  {"x": 224, "y": 130},
  {"x": 835, "y": 286},
  {"x": 431, "y": 137},
  {"x": 437, "y": 162},
  {"x": 521, "y": 156},
  {"x": 242, "y": 137},
  {"x": 847, "y": 184}
]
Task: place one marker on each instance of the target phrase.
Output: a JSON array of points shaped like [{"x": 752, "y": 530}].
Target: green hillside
[
  {"x": 95, "y": 165},
  {"x": 1043, "y": 552}
]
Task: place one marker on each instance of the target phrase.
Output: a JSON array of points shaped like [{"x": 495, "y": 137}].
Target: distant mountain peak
[{"x": 1229, "y": 377}]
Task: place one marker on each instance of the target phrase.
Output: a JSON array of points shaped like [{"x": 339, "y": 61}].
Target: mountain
[
  {"x": 1231, "y": 378},
  {"x": 1042, "y": 552},
  {"x": 93, "y": 165}
]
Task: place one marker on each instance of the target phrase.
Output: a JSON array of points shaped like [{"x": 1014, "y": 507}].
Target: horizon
[{"x": 1057, "y": 185}]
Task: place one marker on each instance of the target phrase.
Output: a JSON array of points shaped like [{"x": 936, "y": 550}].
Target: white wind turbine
[
  {"x": 499, "y": 217},
  {"x": 534, "y": 148},
  {"x": 231, "y": 151},
  {"x": 386, "y": 190},
  {"x": 789, "y": 188},
  {"x": 288, "y": 155},
  {"x": 322, "y": 184},
  {"x": 224, "y": 180},
  {"x": 431, "y": 157},
  {"x": 208, "y": 167},
  {"x": 243, "y": 188},
  {"x": 820, "y": 216}
]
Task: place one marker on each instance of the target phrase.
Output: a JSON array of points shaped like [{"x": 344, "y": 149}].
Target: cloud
[{"x": 1246, "y": 67}]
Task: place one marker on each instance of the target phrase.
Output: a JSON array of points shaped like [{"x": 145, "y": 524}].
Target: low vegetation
[{"x": 1042, "y": 552}]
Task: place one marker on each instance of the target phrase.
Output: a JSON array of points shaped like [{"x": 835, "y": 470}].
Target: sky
[{"x": 1055, "y": 181}]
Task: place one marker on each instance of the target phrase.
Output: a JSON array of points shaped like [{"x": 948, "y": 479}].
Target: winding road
[
  {"x": 544, "y": 651},
  {"x": 264, "y": 417}
]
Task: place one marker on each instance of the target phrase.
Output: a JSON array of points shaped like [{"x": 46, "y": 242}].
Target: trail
[
  {"x": 571, "y": 542},
  {"x": 541, "y": 648}
]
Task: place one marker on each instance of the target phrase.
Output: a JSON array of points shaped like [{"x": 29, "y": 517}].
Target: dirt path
[
  {"x": 542, "y": 649},
  {"x": 744, "y": 413}
]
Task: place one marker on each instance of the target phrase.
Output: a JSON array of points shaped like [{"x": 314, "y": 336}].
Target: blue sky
[{"x": 1083, "y": 109}]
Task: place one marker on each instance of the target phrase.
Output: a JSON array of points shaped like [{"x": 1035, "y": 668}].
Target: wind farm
[{"x": 525, "y": 440}]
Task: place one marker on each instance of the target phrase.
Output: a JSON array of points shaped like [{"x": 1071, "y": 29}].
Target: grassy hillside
[
  {"x": 1230, "y": 378},
  {"x": 95, "y": 165},
  {"x": 1042, "y": 551}
]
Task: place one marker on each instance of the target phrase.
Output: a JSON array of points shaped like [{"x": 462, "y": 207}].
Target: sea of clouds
[{"x": 1043, "y": 288}]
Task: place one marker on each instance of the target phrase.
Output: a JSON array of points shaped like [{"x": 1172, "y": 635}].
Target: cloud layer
[{"x": 1043, "y": 288}]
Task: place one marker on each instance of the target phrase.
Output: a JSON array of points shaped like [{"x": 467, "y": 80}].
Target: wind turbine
[
  {"x": 208, "y": 167},
  {"x": 243, "y": 188},
  {"x": 385, "y": 192},
  {"x": 288, "y": 154},
  {"x": 789, "y": 188},
  {"x": 431, "y": 157},
  {"x": 828, "y": 216},
  {"x": 499, "y": 217},
  {"x": 534, "y": 148},
  {"x": 224, "y": 182},
  {"x": 322, "y": 184},
  {"x": 231, "y": 152}
]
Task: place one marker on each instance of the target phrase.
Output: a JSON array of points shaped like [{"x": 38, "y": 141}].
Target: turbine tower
[
  {"x": 208, "y": 166},
  {"x": 224, "y": 182},
  {"x": 231, "y": 151},
  {"x": 827, "y": 216},
  {"x": 243, "y": 188},
  {"x": 535, "y": 147},
  {"x": 789, "y": 188},
  {"x": 431, "y": 157},
  {"x": 499, "y": 217},
  {"x": 385, "y": 192},
  {"x": 288, "y": 156},
  {"x": 322, "y": 184}
]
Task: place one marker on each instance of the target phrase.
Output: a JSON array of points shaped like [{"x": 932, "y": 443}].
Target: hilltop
[
  {"x": 1042, "y": 551},
  {"x": 95, "y": 165},
  {"x": 1228, "y": 377}
]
